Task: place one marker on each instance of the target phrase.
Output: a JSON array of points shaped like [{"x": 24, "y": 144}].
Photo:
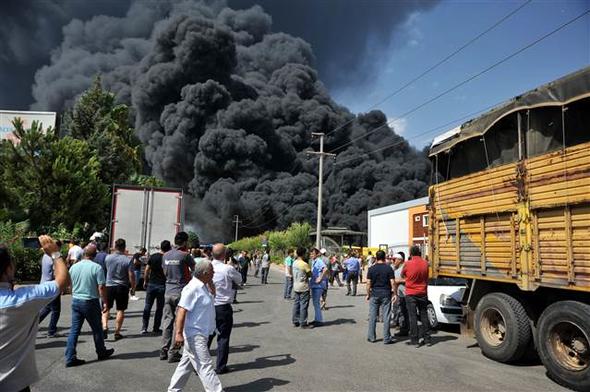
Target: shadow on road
[
  {"x": 249, "y": 302},
  {"x": 340, "y": 306},
  {"x": 339, "y": 321},
  {"x": 53, "y": 344},
  {"x": 264, "y": 362},
  {"x": 250, "y": 324},
  {"x": 244, "y": 348},
  {"x": 264, "y": 384},
  {"x": 438, "y": 339},
  {"x": 137, "y": 355}
]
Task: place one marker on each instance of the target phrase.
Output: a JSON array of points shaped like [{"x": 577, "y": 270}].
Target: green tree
[
  {"x": 97, "y": 119},
  {"x": 147, "y": 181},
  {"x": 54, "y": 181}
]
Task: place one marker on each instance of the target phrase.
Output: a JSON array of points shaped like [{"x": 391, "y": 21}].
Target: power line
[
  {"x": 489, "y": 68},
  {"x": 439, "y": 63}
]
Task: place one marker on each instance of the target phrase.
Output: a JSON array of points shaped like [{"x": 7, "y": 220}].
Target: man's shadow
[
  {"x": 264, "y": 384},
  {"x": 264, "y": 362}
]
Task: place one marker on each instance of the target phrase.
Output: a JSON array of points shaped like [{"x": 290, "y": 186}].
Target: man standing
[
  {"x": 288, "y": 274},
  {"x": 137, "y": 260},
  {"x": 177, "y": 265},
  {"x": 75, "y": 252},
  {"x": 265, "y": 266},
  {"x": 318, "y": 274},
  {"x": 380, "y": 290},
  {"x": 19, "y": 312},
  {"x": 224, "y": 278},
  {"x": 326, "y": 260},
  {"x": 415, "y": 272},
  {"x": 353, "y": 266},
  {"x": 401, "y": 310},
  {"x": 154, "y": 283},
  {"x": 88, "y": 282},
  {"x": 244, "y": 262},
  {"x": 120, "y": 277},
  {"x": 301, "y": 274},
  {"x": 195, "y": 322},
  {"x": 54, "y": 307}
]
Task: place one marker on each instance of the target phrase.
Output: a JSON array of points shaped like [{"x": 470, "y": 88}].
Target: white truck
[{"x": 145, "y": 216}]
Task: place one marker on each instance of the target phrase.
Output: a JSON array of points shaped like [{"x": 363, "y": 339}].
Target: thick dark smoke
[{"x": 225, "y": 108}]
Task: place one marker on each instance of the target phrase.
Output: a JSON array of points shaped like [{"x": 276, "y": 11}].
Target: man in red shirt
[{"x": 415, "y": 271}]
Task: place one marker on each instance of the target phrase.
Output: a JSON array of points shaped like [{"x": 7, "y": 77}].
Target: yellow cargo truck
[{"x": 510, "y": 212}]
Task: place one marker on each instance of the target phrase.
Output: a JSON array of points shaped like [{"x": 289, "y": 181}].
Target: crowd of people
[{"x": 193, "y": 290}]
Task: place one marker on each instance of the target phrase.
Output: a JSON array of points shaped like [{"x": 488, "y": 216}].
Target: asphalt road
[{"x": 268, "y": 353}]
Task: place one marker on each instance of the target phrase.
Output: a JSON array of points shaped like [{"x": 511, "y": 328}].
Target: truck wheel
[
  {"x": 432, "y": 320},
  {"x": 563, "y": 343},
  {"x": 502, "y": 327}
]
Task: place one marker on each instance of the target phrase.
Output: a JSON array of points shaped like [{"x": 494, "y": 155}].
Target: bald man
[{"x": 223, "y": 277}]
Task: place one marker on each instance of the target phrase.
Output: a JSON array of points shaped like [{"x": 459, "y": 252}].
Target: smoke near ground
[{"x": 225, "y": 108}]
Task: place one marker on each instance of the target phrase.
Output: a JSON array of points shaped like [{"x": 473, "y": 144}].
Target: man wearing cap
[{"x": 88, "y": 283}]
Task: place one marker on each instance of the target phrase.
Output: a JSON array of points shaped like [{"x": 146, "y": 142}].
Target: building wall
[
  {"x": 390, "y": 228},
  {"x": 418, "y": 227}
]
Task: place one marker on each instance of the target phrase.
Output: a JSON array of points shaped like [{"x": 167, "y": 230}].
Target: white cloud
[{"x": 399, "y": 125}]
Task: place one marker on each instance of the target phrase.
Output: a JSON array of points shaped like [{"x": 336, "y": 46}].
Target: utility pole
[
  {"x": 237, "y": 221},
  {"x": 321, "y": 153}
]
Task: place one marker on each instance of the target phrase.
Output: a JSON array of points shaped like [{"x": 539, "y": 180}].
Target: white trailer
[{"x": 145, "y": 216}]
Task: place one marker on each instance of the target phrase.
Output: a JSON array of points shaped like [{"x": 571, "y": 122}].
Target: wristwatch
[{"x": 55, "y": 256}]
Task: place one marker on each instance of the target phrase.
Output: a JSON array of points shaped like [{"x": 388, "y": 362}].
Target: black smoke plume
[{"x": 225, "y": 108}]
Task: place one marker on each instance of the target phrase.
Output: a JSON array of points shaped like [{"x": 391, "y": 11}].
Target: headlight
[{"x": 447, "y": 300}]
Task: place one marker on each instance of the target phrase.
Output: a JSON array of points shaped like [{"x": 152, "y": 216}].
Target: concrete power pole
[
  {"x": 237, "y": 221},
  {"x": 321, "y": 153}
]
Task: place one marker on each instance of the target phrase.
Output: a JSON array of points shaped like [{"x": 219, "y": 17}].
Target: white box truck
[{"x": 145, "y": 216}]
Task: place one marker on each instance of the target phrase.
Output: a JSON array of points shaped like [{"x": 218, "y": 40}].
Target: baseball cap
[{"x": 323, "y": 251}]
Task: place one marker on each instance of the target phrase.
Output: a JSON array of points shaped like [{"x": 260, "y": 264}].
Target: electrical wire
[
  {"x": 440, "y": 62},
  {"x": 469, "y": 79}
]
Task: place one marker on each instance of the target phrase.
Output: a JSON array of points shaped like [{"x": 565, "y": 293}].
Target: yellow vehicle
[{"x": 510, "y": 211}]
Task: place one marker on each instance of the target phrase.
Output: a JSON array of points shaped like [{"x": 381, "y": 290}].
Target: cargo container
[{"x": 510, "y": 212}]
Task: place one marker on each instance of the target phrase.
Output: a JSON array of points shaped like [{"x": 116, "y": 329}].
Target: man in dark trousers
[
  {"x": 178, "y": 266},
  {"x": 415, "y": 272},
  {"x": 380, "y": 291},
  {"x": 224, "y": 277},
  {"x": 154, "y": 283}
]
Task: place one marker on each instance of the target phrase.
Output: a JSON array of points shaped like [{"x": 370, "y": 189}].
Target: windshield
[{"x": 446, "y": 281}]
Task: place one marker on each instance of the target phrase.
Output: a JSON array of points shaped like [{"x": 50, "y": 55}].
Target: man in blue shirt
[
  {"x": 54, "y": 307},
  {"x": 317, "y": 284},
  {"x": 353, "y": 266},
  {"x": 88, "y": 283}
]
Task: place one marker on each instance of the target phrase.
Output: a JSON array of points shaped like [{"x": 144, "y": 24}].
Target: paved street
[{"x": 268, "y": 353}]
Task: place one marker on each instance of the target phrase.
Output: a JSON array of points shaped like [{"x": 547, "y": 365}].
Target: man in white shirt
[
  {"x": 75, "y": 252},
  {"x": 265, "y": 266},
  {"x": 195, "y": 322},
  {"x": 223, "y": 278}
]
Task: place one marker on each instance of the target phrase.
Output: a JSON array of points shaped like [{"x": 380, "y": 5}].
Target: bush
[{"x": 28, "y": 267}]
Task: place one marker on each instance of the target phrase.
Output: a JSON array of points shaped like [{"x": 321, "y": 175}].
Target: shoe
[
  {"x": 296, "y": 324},
  {"x": 106, "y": 354},
  {"x": 53, "y": 336},
  {"x": 429, "y": 343},
  {"x": 134, "y": 298},
  {"x": 307, "y": 326},
  {"x": 157, "y": 332},
  {"x": 400, "y": 334},
  {"x": 347, "y": 294},
  {"x": 222, "y": 370},
  {"x": 163, "y": 355},
  {"x": 413, "y": 343},
  {"x": 144, "y": 332},
  {"x": 173, "y": 358},
  {"x": 118, "y": 336},
  {"x": 371, "y": 340},
  {"x": 389, "y": 341},
  {"x": 420, "y": 344},
  {"x": 105, "y": 333},
  {"x": 75, "y": 362}
]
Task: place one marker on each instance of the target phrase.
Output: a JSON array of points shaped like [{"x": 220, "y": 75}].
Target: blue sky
[{"x": 428, "y": 37}]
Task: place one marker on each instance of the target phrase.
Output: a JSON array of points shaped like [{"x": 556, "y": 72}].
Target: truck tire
[
  {"x": 502, "y": 327},
  {"x": 563, "y": 334}
]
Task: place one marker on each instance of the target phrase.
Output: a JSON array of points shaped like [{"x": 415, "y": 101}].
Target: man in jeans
[
  {"x": 353, "y": 266},
  {"x": 120, "y": 277},
  {"x": 178, "y": 265},
  {"x": 317, "y": 284},
  {"x": 288, "y": 274},
  {"x": 301, "y": 274},
  {"x": 154, "y": 283},
  {"x": 380, "y": 290},
  {"x": 54, "y": 307},
  {"x": 415, "y": 272},
  {"x": 88, "y": 282}
]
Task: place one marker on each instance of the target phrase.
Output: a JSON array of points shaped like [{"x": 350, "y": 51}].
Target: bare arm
[
  {"x": 132, "y": 279},
  {"x": 180, "y": 319},
  {"x": 368, "y": 288},
  {"x": 393, "y": 289},
  {"x": 102, "y": 291},
  {"x": 146, "y": 276}
]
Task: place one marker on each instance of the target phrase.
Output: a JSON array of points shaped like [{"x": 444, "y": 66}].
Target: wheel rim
[
  {"x": 569, "y": 346},
  {"x": 493, "y": 327},
  {"x": 431, "y": 315}
]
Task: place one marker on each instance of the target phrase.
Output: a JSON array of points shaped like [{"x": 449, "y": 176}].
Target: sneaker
[
  {"x": 389, "y": 341},
  {"x": 144, "y": 332},
  {"x": 222, "y": 370},
  {"x": 175, "y": 357},
  {"x": 413, "y": 343},
  {"x": 118, "y": 336},
  {"x": 163, "y": 355},
  {"x": 134, "y": 298},
  {"x": 53, "y": 336},
  {"x": 371, "y": 340},
  {"x": 296, "y": 324},
  {"x": 75, "y": 362},
  {"x": 106, "y": 354}
]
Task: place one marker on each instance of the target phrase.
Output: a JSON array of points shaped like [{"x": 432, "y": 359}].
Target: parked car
[{"x": 444, "y": 295}]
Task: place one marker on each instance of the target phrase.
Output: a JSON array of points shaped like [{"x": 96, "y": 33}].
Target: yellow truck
[{"x": 510, "y": 212}]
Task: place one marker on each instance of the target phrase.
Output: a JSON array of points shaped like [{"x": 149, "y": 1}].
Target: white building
[{"x": 389, "y": 227}]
